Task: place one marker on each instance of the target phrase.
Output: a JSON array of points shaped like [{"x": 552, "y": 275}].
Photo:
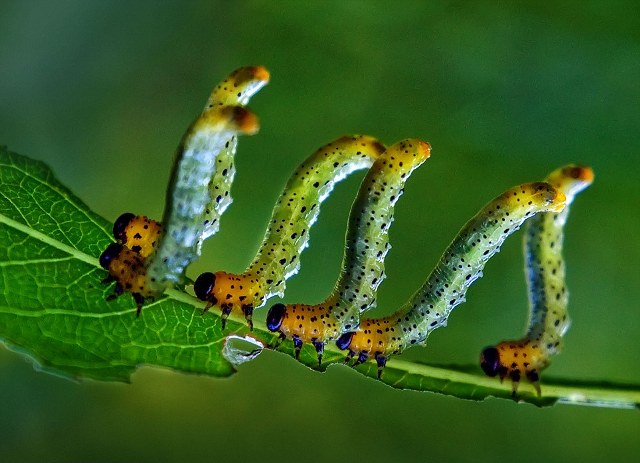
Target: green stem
[{"x": 457, "y": 380}]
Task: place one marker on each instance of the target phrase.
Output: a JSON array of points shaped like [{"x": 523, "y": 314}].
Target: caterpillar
[
  {"x": 287, "y": 234},
  {"x": 202, "y": 175},
  {"x": 128, "y": 269},
  {"x": 126, "y": 261},
  {"x": 367, "y": 244},
  {"x": 148, "y": 259},
  {"x": 137, "y": 232},
  {"x": 548, "y": 295},
  {"x": 445, "y": 288}
]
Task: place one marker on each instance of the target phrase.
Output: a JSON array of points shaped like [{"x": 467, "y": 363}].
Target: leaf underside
[{"x": 53, "y": 308}]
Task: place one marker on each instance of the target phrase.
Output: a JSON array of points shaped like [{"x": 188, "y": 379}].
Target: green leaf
[
  {"x": 52, "y": 300},
  {"x": 53, "y": 308}
]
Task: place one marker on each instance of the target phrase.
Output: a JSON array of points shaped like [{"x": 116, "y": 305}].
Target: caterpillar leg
[
  {"x": 381, "y": 360},
  {"x": 247, "y": 310},
  {"x": 371, "y": 341},
  {"x": 344, "y": 342},
  {"x": 139, "y": 298},
  {"x": 349, "y": 357},
  {"x": 119, "y": 291},
  {"x": 297, "y": 346},
  {"x": 319, "y": 346},
  {"x": 362, "y": 357}
]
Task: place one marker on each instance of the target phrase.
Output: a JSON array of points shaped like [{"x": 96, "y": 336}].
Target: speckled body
[
  {"x": 548, "y": 295},
  {"x": 461, "y": 264},
  {"x": 288, "y": 232},
  {"x": 366, "y": 247},
  {"x": 202, "y": 176},
  {"x": 138, "y": 233},
  {"x": 128, "y": 269}
]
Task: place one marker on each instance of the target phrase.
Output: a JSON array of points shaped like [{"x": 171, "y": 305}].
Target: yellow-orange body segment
[
  {"x": 128, "y": 269},
  {"x": 141, "y": 235},
  {"x": 237, "y": 290}
]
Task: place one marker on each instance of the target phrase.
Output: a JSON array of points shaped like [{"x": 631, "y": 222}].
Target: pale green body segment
[
  {"x": 545, "y": 274},
  {"x": 461, "y": 264},
  {"x": 548, "y": 295},
  {"x": 299, "y": 205},
  {"x": 545, "y": 266},
  {"x": 367, "y": 240},
  {"x": 202, "y": 175},
  {"x": 465, "y": 258}
]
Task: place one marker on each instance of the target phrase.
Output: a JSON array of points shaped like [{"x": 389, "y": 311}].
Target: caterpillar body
[
  {"x": 202, "y": 175},
  {"x": 548, "y": 295},
  {"x": 367, "y": 244},
  {"x": 128, "y": 269},
  {"x": 148, "y": 258},
  {"x": 137, "y": 232},
  {"x": 126, "y": 261},
  {"x": 288, "y": 232},
  {"x": 445, "y": 288}
]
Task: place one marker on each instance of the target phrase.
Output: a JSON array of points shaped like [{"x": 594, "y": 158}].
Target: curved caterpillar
[
  {"x": 137, "y": 232},
  {"x": 548, "y": 296},
  {"x": 287, "y": 234},
  {"x": 147, "y": 260},
  {"x": 202, "y": 174},
  {"x": 445, "y": 288},
  {"x": 367, "y": 244}
]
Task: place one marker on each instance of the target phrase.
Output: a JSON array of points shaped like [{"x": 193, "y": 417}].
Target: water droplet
[{"x": 240, "y": 349}]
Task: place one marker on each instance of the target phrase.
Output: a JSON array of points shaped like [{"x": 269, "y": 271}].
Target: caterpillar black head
[
  {"x": 203, "y": 287},
  {"x": 109, "y": 254},
  {"x": 120, "y": 226},
  {"x": 490, "y": 361},
  {"x": 515, "y": 360},
  {"x": 344, "y": 341},
  {"x": 275, "y": 316}
]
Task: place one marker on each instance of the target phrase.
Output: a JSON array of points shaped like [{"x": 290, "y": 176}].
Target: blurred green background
[{"x": 102, "y": 92}]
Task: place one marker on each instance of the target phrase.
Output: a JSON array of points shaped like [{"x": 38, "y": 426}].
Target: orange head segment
[
  {"x": 233, "y": 118},
  {"x": 514, "y": 359},
  {"x": 375, "y": 339},
  {"x": 571, "y": 179},
  {"x": 227, "y": 289},
  {"x": 239, "y": 86},
  {"x": 309, "y": 323},
  {"x": 369, "y": 145},
  {"x": 313, "y": 324},
  {"x": 138, "y": 233},
  {"x": 230, "y": 292}
]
